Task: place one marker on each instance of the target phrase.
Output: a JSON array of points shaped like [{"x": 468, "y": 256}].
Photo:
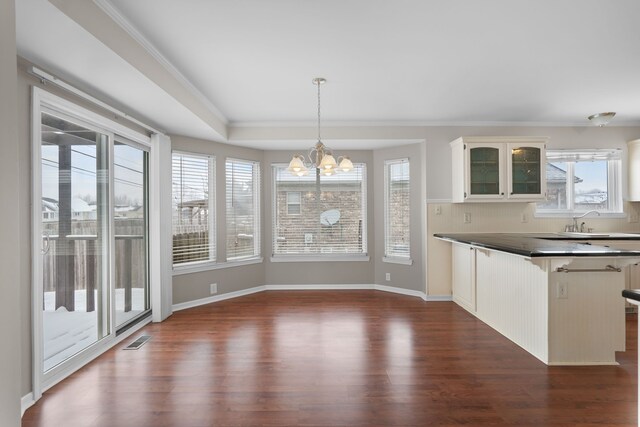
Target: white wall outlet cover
[
  {"x": 213, "y": 288},
  {"x": 524, "y": 217},
  {"x": 438, "y": 210},
  {"x": 387, "y": 277},
  {"x": 633, "y": 216},
  {"x": 467, "y": 218}
]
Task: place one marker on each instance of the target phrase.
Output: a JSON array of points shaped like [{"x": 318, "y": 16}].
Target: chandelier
[{"x": 320, "y": 156}]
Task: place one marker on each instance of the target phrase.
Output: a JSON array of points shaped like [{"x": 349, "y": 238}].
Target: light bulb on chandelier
[{"x": 320, "y": 156}]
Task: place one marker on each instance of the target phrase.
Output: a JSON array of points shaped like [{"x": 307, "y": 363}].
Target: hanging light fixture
[
  {"x": 601, "y": 119},
  {"x": 320, "y": 156}
]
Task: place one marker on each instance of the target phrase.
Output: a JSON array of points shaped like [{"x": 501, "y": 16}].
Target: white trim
[
  {"x": 397, "y": 260},
  {"x": 206, "y": 266},
  {"x": 216, "y": 298},
  {"x": 124, "y": 23},
  {"x": 571, "y": 214},
  {"x": 423, "y": 123},
  {"x": 26, "y": 402},
  {"x": 320, "y": 258},
  {"x": 315, "y": 287},
  {"x": 319, "y": 287},
  {"x": 439, "y": 201},
  {"x": 582, "y": 363},
  {"x": 439, "y": 298}
]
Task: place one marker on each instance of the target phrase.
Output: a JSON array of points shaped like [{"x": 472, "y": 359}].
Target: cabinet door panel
[
  {"x": 484, "y": 171},
  {"x": 526, "y": 170}
]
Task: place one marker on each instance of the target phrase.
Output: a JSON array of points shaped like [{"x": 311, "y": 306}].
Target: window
[
  {"x": 293, "y": 202},
  {"x": 331, "y": 213},
  {"x": 397, "y": 211},
  {"x": 580, "y": 181},
  {"x": 193, "y": 208},
  {"x": 243, "y": 209}
]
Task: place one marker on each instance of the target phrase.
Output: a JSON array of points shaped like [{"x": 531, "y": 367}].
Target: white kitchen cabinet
[
  {"x": 498, "y": 169},
  {"x": 464, "y": 276}
]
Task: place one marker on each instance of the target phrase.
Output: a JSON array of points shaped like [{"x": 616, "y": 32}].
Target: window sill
[
  {"x": 396, "y": 260},
  {"x": 320, "y": 258},
  {"x": 206, "y": 266},
  {"x": 567, "y": 214}
]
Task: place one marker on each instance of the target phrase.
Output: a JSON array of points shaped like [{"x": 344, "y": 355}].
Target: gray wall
[
  {"x": 9, "y": 218},
  {"x": 193, "y": 286}
]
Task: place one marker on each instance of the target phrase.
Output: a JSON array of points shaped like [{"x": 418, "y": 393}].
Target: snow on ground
[{"x": 69, "y": 332}]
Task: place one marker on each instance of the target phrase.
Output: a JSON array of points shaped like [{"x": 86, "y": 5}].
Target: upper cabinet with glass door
[{"x": 498, "y": 169}]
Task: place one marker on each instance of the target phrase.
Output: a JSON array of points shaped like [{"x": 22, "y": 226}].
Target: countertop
[{"x": 542, "y": 245}]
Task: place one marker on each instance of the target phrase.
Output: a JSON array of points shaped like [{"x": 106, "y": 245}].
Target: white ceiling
[{"x": 386, "y": 61}]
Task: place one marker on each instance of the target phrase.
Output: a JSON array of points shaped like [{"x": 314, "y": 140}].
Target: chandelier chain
[{"x": 318, "y": 83}]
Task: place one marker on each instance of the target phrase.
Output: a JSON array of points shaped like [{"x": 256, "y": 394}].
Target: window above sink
[{"x": 582, "y": 180}]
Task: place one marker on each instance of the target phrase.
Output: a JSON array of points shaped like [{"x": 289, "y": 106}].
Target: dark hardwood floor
[{"x": 335, "y": 358}]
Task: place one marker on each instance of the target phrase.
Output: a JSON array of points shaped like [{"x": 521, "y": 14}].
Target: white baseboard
[
  {"x": 216, "y": 298},
  {"x": 439, "y": 298},
  {"x": 317, "y": 287},
  {"x": 401, "y": 291},
  {"x": 314, "y": 287},
  {"x": 26, "y": 402}
]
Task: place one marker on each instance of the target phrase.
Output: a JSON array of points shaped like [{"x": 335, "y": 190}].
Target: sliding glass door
[
  {"x": 91, "y": 229},
  {"x": 131, "y": 219},
  {"x": 75, "y": 234}
]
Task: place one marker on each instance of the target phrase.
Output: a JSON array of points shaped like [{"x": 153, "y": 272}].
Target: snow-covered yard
[{"x": 66, "y": 333}]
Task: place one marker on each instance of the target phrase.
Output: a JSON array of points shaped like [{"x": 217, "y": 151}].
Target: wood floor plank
[{"x": 335, "y": 358}]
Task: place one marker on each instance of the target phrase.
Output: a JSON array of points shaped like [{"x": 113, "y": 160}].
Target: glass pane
[
  {"x": 74, "y": 222},
  {"x": 525, "y": 170},
  {"x": 591, "y": 183},
  {"x": 319, "y": 214},
  {"x": 130, "y": 220},
  {"x": 484, "y": 170},
  {"x": 398, "y": 238},
  {"x": 556, "y": 186},
  {"x": 191, "y": 235},
  {"x": 242, "y": 241}
]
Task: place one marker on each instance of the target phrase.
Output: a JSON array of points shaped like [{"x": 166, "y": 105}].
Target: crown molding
[
  {"x": 418, "y": 123},
  {"x": 107, "y": 7}
]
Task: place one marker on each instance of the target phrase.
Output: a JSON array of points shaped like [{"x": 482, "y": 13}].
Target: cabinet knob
[{"x": 502, "y": 194}]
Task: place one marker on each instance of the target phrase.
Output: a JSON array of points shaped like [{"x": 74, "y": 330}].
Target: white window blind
[
  {"x": 331, "y": 218},
  {"x": 397, "y": 209},
  {"x": 193, "y": 208},
  {"x": 243, "y": 209}
]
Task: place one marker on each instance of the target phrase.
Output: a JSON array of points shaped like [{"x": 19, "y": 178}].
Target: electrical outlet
[
  {"x": 524, "y": 217},
  {"x": 438, "y": 210},
  {"x": 633, "y": 216},
  {"x": 388, "y": 277},
  {"x": 213, "y": 288},
  {"x": 467, "y": 218},
  {"x": 562, "y": 291}
]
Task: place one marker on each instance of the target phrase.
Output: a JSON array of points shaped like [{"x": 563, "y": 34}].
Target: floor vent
[{"x": 138, "y": 343}]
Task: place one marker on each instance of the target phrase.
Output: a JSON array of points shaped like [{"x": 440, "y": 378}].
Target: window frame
[
  {"x": 299, "y": 204},
  {"x": 318, "y": 257},
  {"x": 615, "y": 202},
  {"x": 257, "y": 187},
  {"x": 212, "y": 217},
  {"x": 387, "y": 257}
]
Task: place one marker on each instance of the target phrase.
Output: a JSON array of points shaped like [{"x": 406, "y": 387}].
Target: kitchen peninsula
[{"x": 556, "y": 295}]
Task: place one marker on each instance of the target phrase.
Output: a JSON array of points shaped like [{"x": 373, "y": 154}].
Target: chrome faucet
[{"x": 574, "y": 226}]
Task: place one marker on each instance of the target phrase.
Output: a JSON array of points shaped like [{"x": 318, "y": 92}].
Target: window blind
[
  {"x": 331, "y": 218},
  {"x": 243, "y": 209},
  {"x": 397, "y": 209},
  {"x": 583, "y": 155},
  {"x": 193, "y": 208}
]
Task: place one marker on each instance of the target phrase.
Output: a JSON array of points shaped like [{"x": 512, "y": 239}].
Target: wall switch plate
[
  {"x": 562, "y": 290},
  {"x": 467, "y": 218},
  {"x": 633, "y": 216},
  {"x": 524, "y": 217},
  {"x": 387, "y": 277},
  {"x": 213, "y": 288},
  {"x": 438, "y": 210}
]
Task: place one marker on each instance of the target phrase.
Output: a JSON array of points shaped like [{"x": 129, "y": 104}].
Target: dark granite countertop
[
  {"x": 633, "y": 294},
  {"x": 539, "y": 245}
]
